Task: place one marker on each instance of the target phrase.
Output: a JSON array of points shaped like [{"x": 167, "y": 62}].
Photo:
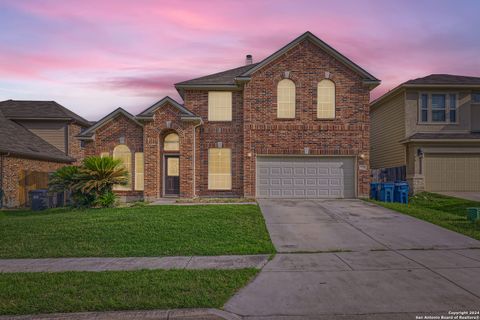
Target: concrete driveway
[{"x": 348, "y": 259}]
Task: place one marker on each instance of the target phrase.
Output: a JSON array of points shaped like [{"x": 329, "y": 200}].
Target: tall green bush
[{"x": 91, "y": 183}]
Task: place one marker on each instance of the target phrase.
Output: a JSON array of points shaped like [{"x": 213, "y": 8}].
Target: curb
[{"x": 179, "y": 314}]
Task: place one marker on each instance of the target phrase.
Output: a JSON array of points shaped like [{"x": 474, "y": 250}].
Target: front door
[{"x": 172, "y": 175}]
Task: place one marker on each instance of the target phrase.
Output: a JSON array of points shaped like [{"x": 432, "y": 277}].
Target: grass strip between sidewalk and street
[{"x": 34, "y": 293}]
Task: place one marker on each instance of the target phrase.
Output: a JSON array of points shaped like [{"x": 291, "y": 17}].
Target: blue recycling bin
[
  {"x": 374, "y": 190},
  {"x": 401, "y": 192},
  {"x": 386, "y": 191}
]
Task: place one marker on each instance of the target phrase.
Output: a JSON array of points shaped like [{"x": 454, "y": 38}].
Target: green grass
[
  {"x": 447, "y": 212},
  {"x": 33, "y": 293},
  {"x": 135, "y": 231}
]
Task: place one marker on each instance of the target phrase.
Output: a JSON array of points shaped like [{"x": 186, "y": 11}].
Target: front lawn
[
  {"x": 447, "y": 212},
  {"x": 32, "y": 293},
  {"x": 134, "y": 231}
]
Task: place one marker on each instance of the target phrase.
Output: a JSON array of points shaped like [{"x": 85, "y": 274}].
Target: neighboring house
[
  {"x": 295, "y": 125},
  {"x": 427, "y": 130},
  {"x": 36, "y": 138}
]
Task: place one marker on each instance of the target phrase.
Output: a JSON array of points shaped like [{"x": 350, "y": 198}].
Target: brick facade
[
  {"x": 346, "y": 135},
  {"x": 11, "y": 168},
  {"x": 75, "y": 149},
  {"x": 230, "y": 134},
  {"x": 254, "y": 129},
  {"x": 108, "y": 136}
]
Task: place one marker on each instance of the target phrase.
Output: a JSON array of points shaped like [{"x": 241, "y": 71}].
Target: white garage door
[
  {"x": 452, "y": 172},
  {"x": 305, "y": 177}
]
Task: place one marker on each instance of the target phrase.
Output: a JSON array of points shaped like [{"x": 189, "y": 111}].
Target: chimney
[{"x": 248, "y": 59}]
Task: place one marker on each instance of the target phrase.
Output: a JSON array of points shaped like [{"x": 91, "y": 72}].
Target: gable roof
[
  {"x": 229, "y": 78},
  {"x": 29, "y": 109},
  {"x": 433, "y": 81},
  {"x": 310, "y": 36},
  {"x": 147, "y": 113},
  {"x": 19, "y": 141},
  {"x": 447, "y": 79},
  {"x": 90, "y": 131}
]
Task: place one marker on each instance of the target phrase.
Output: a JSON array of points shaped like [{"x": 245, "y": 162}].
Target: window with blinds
[
  {"x": 139, "y": 170},
  {"x": 286, "y": 99},
  {"x": 104, "y": 154},
  {"x": 171, "y": 142},
  {"x": 219, "y": 106},
  {"x": 326, "y": 99},
  {"x": 219, "y": 169},
  {"x": 122, "y": 152}
]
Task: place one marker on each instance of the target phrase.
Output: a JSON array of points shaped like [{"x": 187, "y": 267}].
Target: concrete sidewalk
[
  {"x": 177, "y": 314},
  {"x": 133, "y": 263}
]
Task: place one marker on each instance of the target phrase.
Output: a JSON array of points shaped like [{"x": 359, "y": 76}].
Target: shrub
[
  {"x": 106, "y": 200},
  {"x": 91, "y": 183}
]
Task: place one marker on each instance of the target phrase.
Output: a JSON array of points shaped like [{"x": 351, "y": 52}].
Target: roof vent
[{"x": 248, "y": 59}]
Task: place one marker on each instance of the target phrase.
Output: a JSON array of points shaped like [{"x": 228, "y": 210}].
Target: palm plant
[
  {"x": 98, "y": 175},
  {"x": 64, "y": 179}
]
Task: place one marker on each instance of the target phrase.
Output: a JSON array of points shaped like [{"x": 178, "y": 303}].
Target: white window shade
[
  {"x": 171, "y": 142},
  {"x": 219, "y": 106},
  {"x": 139, "y": 171},
  {"x": 326, "y": 99},
  {"x": 122, "y": 152},
  {"x": 219, "y": 169},
  {"x": 286, "y": 99},
  {"x": 104, "y": 154}
]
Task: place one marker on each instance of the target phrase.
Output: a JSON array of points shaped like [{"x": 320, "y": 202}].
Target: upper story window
[
  {"x": 326, "y": 99},
  {"x": 476, "y": 97},
  {"x": 286, "y": 99},
  {"x": 122, "y": 152},
  {"x": 171, "y": 142},
  {"x": 219, "y": 106},
  {"x": 438, "y": 108}
]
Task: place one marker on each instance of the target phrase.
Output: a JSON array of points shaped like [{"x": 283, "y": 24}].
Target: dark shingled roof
[
  {"x": 25, "y": 109},
  {"x": 445, "y": 79},
  {"x": 17, "y": 140},
  {"x": 220, "y": 78},
  {"x": 448, "y": 136}
]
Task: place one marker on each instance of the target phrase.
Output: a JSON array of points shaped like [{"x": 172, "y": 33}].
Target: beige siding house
[{"x": 427, "y": 131}]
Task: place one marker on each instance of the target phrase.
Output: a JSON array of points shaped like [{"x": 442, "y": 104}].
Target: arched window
[
  {"x": 286, "y": 99},
  {"x": 326, "y": 99},
  {"x": 171, "y": 142},
  {"x": 122, "y": 152}
]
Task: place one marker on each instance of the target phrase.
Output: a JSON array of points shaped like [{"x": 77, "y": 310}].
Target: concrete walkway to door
[{"x": 348, "y": 259}]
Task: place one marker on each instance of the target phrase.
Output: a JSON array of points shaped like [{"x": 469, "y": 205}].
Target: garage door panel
[
  {"x": 305, "y": 177},
  {"x": 452, "y": 172}
]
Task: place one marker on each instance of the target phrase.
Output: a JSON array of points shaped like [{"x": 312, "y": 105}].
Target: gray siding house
[{"x": 427, "y": 131}]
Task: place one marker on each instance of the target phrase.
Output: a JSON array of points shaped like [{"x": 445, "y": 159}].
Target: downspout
[{"x": 194, "y": 158}]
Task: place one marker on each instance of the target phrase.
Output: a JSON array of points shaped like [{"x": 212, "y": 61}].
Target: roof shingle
[
  {"x": 220, "y": 78},
  {"x": 27, "y": 109},
  {"x": 438, "y": 79},
  {"x": 17, "y": 140}
]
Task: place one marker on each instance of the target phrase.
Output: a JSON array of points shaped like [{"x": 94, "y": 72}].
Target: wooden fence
[{"x": 30, "y": 180}]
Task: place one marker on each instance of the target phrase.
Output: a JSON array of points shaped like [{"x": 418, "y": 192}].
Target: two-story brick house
[
  {"x": 427, "y": 130},
  {"x": 295, "y": 124}
]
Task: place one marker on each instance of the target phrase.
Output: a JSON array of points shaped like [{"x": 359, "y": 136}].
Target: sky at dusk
[{"x": 96, "y": 55}]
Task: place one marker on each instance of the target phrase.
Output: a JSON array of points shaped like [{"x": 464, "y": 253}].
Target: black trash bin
[{"x": 38, "y": 199}]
